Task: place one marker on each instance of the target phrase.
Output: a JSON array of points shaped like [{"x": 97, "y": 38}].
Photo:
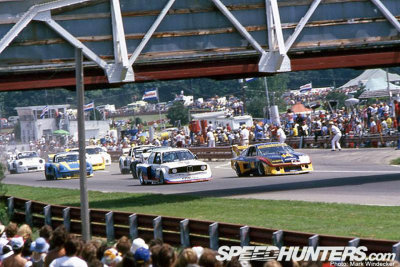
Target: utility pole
[
  {"x": 80, "y": 93},
  {"x": 267, "y": 96}
]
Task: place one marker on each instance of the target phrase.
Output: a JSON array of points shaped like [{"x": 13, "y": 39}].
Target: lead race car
[
  {"x": 271, "y": 159},
  {"x": 172, "y": 165},
  {"x": 65, "y": 165},
  {"x": 28, "y": 161}
]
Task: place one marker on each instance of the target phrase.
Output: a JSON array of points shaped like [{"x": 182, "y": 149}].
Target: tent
[
  {"x": 368, "y": 75},
  {"x": 378, "y": 87},
  {"x": 299, "y": 108}
]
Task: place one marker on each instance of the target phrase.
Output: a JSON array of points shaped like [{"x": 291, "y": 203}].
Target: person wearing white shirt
[
  {"x": 210, "y": 138},
  {"x": 244, "y": 136},
  {"x": 336, "y": 136},
  {"x": 280, "y": 133},
  {"x": 72, "y": 246}
]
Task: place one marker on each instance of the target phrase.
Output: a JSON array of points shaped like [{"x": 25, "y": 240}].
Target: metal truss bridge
[{"x": 147, "y": 40}]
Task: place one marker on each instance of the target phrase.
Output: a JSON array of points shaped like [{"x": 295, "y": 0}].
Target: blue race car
[
  {"x": 271, "y": 159},
  {"x": 65, "y": 165}
]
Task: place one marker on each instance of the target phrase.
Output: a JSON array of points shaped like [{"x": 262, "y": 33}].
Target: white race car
[
  {"x": 28, "y": 161},
  {"x": 103, "y": 152},
  {"x": 172, "y": 165},
  {"x": 134, "y": 154}
]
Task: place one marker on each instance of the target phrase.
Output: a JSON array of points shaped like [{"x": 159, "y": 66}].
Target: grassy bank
[
  {"x": 395, "y": 161},
  {"x": 323, "y": 218}
]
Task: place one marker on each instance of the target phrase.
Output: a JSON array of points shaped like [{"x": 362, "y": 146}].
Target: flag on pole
[
  {"x": 88, "y": 107},
  {"x": 150, "y": 94},
  {"x": 305, "y": 88},
  {"x": 44, "y": 111}
]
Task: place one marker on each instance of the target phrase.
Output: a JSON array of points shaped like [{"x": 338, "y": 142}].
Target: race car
[
  {"x": 65, "y": 165},
  {"x": 101, "y": 151},
  {"x": 271, "y": 159},
  {"x": 28, "y": 161},
  {"x": 94, "y": 158},
  {"x": 172, "y": 165},
  {"x": 133, "y": 155}
]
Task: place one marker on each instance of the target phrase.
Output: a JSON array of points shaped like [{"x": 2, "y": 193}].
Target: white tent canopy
[
  {"x": 368, "y": 75},
  {"x": 379, "y": 84}
]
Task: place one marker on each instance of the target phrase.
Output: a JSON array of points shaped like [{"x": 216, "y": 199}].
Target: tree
[{"x": 178, "y": 112}]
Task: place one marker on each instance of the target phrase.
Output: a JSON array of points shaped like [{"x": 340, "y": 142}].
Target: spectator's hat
[
  {"x": 40, "y": 245},
  {"x": 138, "y": 243},
  {"x": 331, "y": 123},
  {"x": 3, "y": 242},
  {"x": 110, "y": 256},
  {"x": 198, "y": 250},
  {"x": 142, "y": 255},
  {"x": 17, "y": 242}
]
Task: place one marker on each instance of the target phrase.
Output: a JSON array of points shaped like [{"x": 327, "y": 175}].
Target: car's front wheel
[
  {"x": 162, "y": 180},
  {"x": 141, "y": 179},
  {"x": 237, "y": 170}
]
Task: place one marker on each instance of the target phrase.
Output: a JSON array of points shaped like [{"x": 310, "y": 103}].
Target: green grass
[
  {"x": 322, "y": 218},
  {"x": 395, "y": 161}
]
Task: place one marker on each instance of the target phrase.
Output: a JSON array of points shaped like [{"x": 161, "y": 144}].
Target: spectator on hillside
[
  {"x": 142, "y": 257},
  {"x": 123, "y": 245},
  {"x": 57, "y": 242},
  {"x": 186, "y": 257},
  {"x": 39, "y": 250},
  {"x": 15, "y": 260},
  {"x": 46, "y": 232},
  {"x": 25, "y": 231},
  {"x": 72, "y": 247},
  {"x": 166, "y": 256},
  {"x": 208, "y": 259},
  {"x": 11, "y": 230},
  {"x": 244, "y": 136}
]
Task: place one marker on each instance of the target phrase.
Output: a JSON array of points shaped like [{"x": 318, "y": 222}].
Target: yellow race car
[{"x": 270, "y": 159}]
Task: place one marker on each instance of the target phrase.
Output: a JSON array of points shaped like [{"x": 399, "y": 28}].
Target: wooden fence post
[
  {"x": 313, "y": 241},
  {"x": 185, "y": 235},
  {"x": 213, "y": 232},
  {"x": 157, "y": 226},
  {"x": 47, "y": 215},
  {"x": 244, "y": 236},
  {"x": 110, "y": 226},
  {"x": 354, "y": 242},
  {"x": 133, "y": 226},
  {"x": 28, "y": 213},
  {"x": 10, "y": 206},
  {"x": 277, "y": 238},
  {"x": 67, "y": 218}
]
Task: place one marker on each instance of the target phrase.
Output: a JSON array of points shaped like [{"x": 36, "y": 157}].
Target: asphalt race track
[{"x": 361, "y": 176}]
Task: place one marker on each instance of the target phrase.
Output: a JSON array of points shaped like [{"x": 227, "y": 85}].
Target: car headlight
[
  {"x": 304, "y": 159},
  {"x": 20, "y": 163},
  {"x": 174, "y": 170},
  {"x": 203, "y": 167},
  {"x": 40, "y": 161}
]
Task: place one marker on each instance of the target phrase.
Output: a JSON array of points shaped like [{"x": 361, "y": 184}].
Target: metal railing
[{"x": 178, "y": 231}]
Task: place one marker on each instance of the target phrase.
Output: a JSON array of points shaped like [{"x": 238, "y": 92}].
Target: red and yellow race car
[{"x": 270, "y": 159}]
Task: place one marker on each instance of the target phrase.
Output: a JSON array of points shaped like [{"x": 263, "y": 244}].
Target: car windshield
[
  {"x": 67, "y": 158},
  {"x": 177, "y": 156},
  {"x": 91, "y": 151},
  {"x": 275, "y": 149},
  {"x": 25, "y": 155}
]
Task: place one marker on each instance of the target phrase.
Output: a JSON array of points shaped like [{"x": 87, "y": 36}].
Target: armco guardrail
[
  {"x": 225, "y": 152},
  {"x": 178, "y": 231}
]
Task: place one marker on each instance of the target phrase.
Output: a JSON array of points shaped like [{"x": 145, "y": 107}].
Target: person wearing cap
[
  {"x": 138, "y": 243},
  {"x": 111, "y": 257},
  {"x": 39, "y": 250},
  {"x": 335, "y": 132},
  {"x": 142, "y": 257},
  {"x": 15, "y": 260}
]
